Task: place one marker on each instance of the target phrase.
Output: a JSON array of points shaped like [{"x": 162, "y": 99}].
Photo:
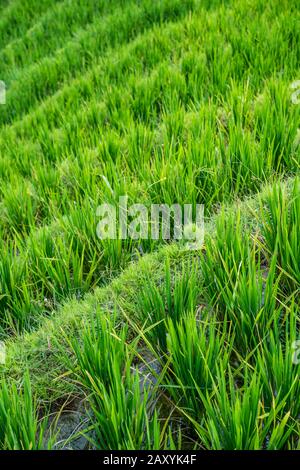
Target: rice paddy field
[{"x": 130, "y": 344}]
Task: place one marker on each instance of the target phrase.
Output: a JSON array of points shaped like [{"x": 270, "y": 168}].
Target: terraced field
[{"x": 138, "y": 343}]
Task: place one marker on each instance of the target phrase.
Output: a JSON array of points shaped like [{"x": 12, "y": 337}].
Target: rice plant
[
  {"x": 198, "y": 348},
  {"x": 20, "y": 426},
  {"x": 118, "y": 394},
  {"x": 157, "y": 304},
  {"x": 281, "y": 232},
  {"x": 236, "y": 419}
]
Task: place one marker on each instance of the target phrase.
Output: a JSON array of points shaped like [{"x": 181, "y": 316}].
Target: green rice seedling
[
  {"x": 101, "y": 350},
  {"x": 276, "y": 125},
  {"x": 118, "y": 395},
  {"x": 238, "y": 285},
  {"x": 57, "y": 268},
  {"x": 281, "y": 228},
  {"x": 120, "y": 415},
  {"x": 106, "y": 255},
  {"x": 20, "y": 426},
  {"x": 151, "y": 305},
  {"x": 157, "y": 304},
  {"x": 252, "y": 304},
  {"x": 16, "y": 294},
  {"x": 241, "y": 156},
  {"x": 235, "y": 418},
  {"x": 198, "y": 348},
  {"x": 223, "y": 256},
  {"x": 37, "y": 275},
  {"x": 277, "y": 364},
  {"x": 20, "y": 205}
]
